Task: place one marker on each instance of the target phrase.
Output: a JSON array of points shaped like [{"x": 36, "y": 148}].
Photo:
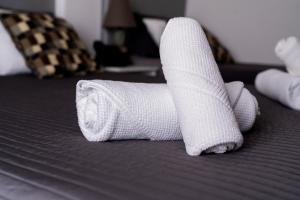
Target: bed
[{"x": 43, "y": 154}]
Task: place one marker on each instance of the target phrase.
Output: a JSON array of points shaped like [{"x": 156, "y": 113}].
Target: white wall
[
  {"x": 249, "y": 28},
  {"x": 85, "y": 16}
]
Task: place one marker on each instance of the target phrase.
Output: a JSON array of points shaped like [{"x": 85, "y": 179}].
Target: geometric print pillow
[
  {"x": 221, "y": 54},
  {"x": 50, "y": 45}
]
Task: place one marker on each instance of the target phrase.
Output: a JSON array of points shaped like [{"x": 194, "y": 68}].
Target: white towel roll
[
  {"x": 288, "y": 50},
  {"x": 279, "y": 86},
  {"x": 110, "y": 110},
  {"x": 205, "y": 116},
  {"x": 244, "y": 105}
]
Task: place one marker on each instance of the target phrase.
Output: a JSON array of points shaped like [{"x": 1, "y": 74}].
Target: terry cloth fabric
[
  {"x": 288, "y": 50},
  {"x": 279, "y": 86},
  {"x": 110, "y": 110},
  {"x": 244, "y": 105},
  {"x": 50, "y": 45},
  {"x": 205, "y": 115}
]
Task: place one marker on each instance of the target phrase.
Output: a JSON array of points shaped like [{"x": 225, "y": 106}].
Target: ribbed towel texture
[
  {"x": 205, "y": 116},
  {"x": 288, "y": 50},
  {"x": 244, "y": 105},
  {"x": 280, "y": 86},
  {"x": 110, "y": 110}
]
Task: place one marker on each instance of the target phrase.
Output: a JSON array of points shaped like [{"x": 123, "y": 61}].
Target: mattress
[{"x": 43, "y": 154}]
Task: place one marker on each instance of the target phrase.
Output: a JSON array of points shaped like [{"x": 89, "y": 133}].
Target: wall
[
  {"x": 249, "y": 28},
  {"x": 85, "y": 16},
  {"x": 31, "y": 5}
]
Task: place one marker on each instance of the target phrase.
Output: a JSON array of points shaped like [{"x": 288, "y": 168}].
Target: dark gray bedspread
[{"x": 43, "y": 154}]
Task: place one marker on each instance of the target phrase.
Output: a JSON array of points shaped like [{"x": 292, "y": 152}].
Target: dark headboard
[
  {"x": 159, "y": 8},
  {"x": 29, "y": 5}
]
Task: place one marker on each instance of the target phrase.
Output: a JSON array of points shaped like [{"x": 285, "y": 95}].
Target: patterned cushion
[
  {"x": 50, "y": 45},
  {"x": 221, "y": 54}
]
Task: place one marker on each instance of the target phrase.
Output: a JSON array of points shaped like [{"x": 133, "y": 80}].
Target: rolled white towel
[
  {"x": 288, "y": 50},
  {"x": 279, "y": 86},
  {"x": 244, "y": 105},
  {"x": 205, "y": 116},
  {"x": 110, "y": 110}
]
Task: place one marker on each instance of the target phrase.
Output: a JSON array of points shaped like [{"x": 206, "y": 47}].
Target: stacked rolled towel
[
  {"x": 280, "y": 86},
  {"x": 195, "y": 105},
  {"x": 244, "y": 105},
  {"x": 111, "y": 110},
  {"x": 206, "y": 119},
  {"x": 288, "y": 50}
]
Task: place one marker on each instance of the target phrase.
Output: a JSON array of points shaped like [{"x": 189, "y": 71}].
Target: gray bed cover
[{"x": 43, "y": 154}]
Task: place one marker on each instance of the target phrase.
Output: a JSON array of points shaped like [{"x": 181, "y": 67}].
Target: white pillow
[
  {"x": 5, "y": 11},
  {"x": 11, "y": 60},
  {"x": 155, "y": 28}
]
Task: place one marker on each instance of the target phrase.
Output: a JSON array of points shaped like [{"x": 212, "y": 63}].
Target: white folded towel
[
  {"x": 280, "y": 86},
  {"x": 288, "y": 50},
  {"x": 205, "y": 116},
  {"x": 244, "y": 105},
  {"x": 110, "y": 110}
]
